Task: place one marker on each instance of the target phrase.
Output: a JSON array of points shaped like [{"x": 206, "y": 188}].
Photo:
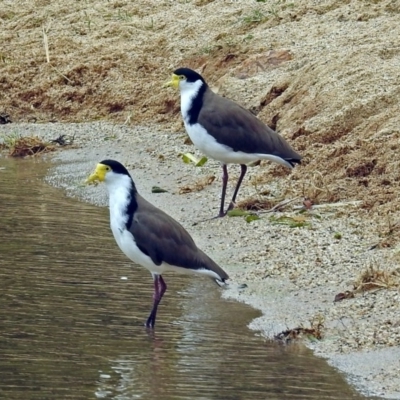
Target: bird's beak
[
  {"x": 174, "y": 82},
  {"x": 97, "y": 176}
]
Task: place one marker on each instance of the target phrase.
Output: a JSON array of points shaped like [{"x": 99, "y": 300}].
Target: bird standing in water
[{"x": 148, "y": 236}]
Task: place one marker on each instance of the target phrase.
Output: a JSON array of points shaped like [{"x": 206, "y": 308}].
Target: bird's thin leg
[
  {"x": 239, "y": 182},
  {"x": 160, "y": 288},
  {"x": 224, "y": 184},
  {"x": 163, "y": 286}
]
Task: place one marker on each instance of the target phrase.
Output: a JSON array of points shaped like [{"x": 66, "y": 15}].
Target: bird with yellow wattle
[
  {"x": 227, "y": 132},
  {"x": 148, "y": 236}
]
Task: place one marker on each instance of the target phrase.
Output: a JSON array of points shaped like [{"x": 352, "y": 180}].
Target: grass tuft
[
  {"x": 374, "y": 278},
  {"x": 255, "y": 17},
  {"x": 314, "y": 332},
  {"x": 198, "y": 186},
  {"x": 256, "y": 204},
  {"x": 18, "y": 146}
]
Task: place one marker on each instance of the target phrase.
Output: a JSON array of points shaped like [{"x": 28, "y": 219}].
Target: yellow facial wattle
[
  {"x": 98, "y": 175},
  {"x": 174, "y": 82}
]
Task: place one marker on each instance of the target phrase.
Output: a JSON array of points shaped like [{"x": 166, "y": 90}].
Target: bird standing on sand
[
  {"x": 148, "y": 236},
  {"x": 225, "y": 131}
]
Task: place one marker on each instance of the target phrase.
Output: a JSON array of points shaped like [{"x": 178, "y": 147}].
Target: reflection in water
[{"x": 70, "y": 328}]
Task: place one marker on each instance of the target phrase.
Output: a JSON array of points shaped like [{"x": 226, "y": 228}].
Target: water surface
[{"x": 71, "y": 328}]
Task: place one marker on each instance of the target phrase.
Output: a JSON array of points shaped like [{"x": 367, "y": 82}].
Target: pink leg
[{"x": 160, "y": 288}]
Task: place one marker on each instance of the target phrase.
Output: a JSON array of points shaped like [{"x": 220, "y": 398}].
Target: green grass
[
  {"x": 255, "y": 17},
  {"x": 8, "y": 141},
  {"x": 292, "y": 222},
  {"x": 274, "y": 8}
]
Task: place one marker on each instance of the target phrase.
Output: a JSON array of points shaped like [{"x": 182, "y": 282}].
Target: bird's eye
[
  {"x": 107, "y": 168},
  {"x": 181, "y": 77}
]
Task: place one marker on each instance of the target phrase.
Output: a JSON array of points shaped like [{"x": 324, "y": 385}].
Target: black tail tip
[{"x": 294, "y": 161}]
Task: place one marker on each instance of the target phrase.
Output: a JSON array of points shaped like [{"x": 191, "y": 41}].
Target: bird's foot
[
  {"x": 231, "y": 207},
  {"x": 220, "y": 215},
  {"x": 150, "y": 323}
]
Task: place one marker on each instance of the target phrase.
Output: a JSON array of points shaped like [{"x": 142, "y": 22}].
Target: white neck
[
  {"x": 119, "y": 188},
  {"x": 189, "y": 91}
]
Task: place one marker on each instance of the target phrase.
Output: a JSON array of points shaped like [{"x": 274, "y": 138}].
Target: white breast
[
  {"x": 211, "y": 148},
  {"x": 189, "y": 91},
  {"x": 127, "y": 244},
  {"x": 119, "y": 200},
  {"x": 207, "y": 143},
  {"x": 225, "y": 154},
  {"x": 200, "y": 137},
  {"x": 119, "y": 188}
]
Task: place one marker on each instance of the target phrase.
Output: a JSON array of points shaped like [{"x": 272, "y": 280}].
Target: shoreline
[{"x": 292, "y": 274}]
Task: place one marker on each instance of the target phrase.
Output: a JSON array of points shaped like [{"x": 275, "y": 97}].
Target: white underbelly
[
  {"x": 225, "y": 154},
  {"x": 128, "y": 246}
]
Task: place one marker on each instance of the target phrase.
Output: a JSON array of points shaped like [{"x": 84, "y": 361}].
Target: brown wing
[
  {"x": 239, "y": 129},
  {"x": 164, "y": 240}
]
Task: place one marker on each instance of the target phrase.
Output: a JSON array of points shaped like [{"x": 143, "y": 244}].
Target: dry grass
[
  {"x": 390, "y": 234},
  {"x": 375, "y": 278},
  {"x": 372, "y": 278},
  {"x": 256, "y": 204},
  {"x": 197, "y": 186},
  {"x": 329, "y": 82},
  {"x": 314, "y": 332},
  {"x": 25, "y": 146}
]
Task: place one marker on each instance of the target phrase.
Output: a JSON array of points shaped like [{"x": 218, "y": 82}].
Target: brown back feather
[
  {"x": 239, "y": 129},
  {"x": 165, "y": 240}
]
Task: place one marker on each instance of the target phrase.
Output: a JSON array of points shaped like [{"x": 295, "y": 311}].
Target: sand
[{"x": 325, "y": 74}]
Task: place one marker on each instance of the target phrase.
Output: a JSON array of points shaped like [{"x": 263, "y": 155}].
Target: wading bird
[{"x": 148, "y": 236}]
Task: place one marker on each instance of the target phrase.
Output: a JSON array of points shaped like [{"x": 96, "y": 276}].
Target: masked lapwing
[
  {"x": 227, "y": 132},
  {"x": 148, "y": 236}
]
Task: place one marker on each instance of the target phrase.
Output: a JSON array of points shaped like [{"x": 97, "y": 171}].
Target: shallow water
[{"x": 71, "y": 328}]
